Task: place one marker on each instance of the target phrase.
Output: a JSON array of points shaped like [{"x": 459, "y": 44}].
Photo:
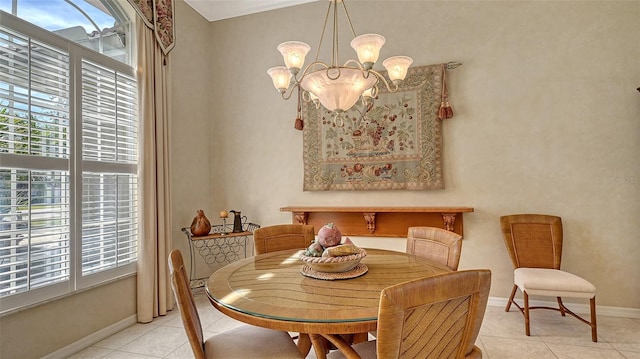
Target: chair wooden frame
[
  {"x": 283, "y": 236},
  {"x": 222, "y": 344},
  {"x": 434, "y": 317},
  {"x": 435, "y": 243},
  {"x": 535, "y": 241},
  {"x": 280, "y": 237}
]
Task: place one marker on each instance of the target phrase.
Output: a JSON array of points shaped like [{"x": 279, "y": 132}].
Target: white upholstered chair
[{"x": 534, "y": 242}]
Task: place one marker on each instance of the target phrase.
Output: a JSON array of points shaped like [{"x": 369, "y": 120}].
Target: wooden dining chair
[
  {"x": 436, "y": 244},
  {"x": 280, "y": 237},
  {"x": 435, "y": 317},
  {"x": 534, "y": 243},
  {"x": 243, "y": 342},
  {"x": 283, "y": 236}
]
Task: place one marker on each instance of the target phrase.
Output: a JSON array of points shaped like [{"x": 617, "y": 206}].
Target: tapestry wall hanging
[{"x": 396, "y": 145}]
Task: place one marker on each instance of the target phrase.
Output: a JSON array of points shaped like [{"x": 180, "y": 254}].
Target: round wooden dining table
[{"x": 269, "y": 290}]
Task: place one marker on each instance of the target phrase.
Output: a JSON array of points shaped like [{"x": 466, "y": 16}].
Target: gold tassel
[
  {"x": 299, "y": 124},
  {"x": 445, "y": 110},
  {"x": 449, "y": 110},
  {"x": 442, "y": 113}
]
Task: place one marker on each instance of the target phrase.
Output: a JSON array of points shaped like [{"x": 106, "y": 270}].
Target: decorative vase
[{"x": 200, "y": 225}]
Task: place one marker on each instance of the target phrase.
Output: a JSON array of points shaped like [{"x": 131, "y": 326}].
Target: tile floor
[{"x": 501, "y": 337}]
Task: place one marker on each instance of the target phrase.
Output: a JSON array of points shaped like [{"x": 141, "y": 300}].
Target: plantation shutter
[
  {"x": 34, "y": 176},
  {"x": 109, "y": 177}
]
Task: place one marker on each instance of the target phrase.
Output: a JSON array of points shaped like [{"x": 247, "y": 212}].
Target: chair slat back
[
  {"x": 533, "y": 240},
  {"x": 186, "y": 304},
  {"x": 434, "y": 317},
  {"x": 436, "y": 244},
  {"x": 283, "y": 236}
]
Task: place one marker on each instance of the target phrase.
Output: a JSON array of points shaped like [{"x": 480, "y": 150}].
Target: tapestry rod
[{"x": 452, "y": 65}]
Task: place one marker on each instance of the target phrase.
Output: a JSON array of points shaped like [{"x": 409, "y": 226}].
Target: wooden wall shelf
[{"x": 379, "y": 221}]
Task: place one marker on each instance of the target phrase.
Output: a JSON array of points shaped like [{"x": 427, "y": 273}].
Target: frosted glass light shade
[
  {"x": 368, "y": 48},
  {"x": 341, "y": 93},
  {"x": 281, "y": 77},
  {"x": 397, "y": 67},
  {"x": 294, "y": 53}
]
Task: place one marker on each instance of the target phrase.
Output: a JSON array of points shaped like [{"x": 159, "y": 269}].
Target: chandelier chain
[
  {"x": 324, "y": 27},
  {"x": 334, "y": 60},
  {"x": 349, "y": 19}
]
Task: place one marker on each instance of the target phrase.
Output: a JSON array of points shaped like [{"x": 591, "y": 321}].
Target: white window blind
[
  {"x": 109, "y": 131},
  {"x": 34, "y": 202},
  {"x": 35, "y": 230},
  {"x": 68, "y": 166}
]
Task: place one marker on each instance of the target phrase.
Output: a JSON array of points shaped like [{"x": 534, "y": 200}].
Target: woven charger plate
[{"x": 357, "y": 271}]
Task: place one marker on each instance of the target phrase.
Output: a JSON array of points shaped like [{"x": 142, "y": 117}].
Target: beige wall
[
  {"x": 41, "y": 330},
  {"x": 547, "y": 120},
  {"x": 193, "y": 119}
]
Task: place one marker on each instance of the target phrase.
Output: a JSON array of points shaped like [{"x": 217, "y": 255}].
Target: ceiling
[{"x": 214, "y": 10}]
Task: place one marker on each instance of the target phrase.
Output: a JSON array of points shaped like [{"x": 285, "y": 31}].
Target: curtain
[{"x": 154, "y": 291}]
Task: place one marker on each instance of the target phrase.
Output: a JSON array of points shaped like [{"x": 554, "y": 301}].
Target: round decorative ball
[{"x": 329, "y": 235}]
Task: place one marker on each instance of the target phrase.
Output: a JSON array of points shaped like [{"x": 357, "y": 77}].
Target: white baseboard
[
  {"x": 575, "y": 307},
  {"x": 92, "y": 338}
]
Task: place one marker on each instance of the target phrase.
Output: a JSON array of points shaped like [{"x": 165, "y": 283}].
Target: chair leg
[
  {"x": 561, "y": 306},
  {"x": 526, "y": 314},
  {"x": 513, "y": 294},
  {"x": 594, "y": 325}
]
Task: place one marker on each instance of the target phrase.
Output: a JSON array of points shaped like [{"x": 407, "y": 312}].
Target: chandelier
[{"x": 337, "y": 88}]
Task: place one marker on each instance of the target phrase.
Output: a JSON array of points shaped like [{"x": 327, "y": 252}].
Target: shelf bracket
[
  {"x": 370, "y": 218},
  {"x": 449, "y": 220},
  {"x": 301, "y": 217}
]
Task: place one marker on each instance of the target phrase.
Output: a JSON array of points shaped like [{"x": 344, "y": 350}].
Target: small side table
[{"x": 220, "y": 246}]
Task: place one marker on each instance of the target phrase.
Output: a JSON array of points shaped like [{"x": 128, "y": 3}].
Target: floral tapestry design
[{"x": 393, "y": 144}]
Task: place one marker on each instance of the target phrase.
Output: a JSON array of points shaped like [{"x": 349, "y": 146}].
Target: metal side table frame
[{"x": 220, "y": 246}]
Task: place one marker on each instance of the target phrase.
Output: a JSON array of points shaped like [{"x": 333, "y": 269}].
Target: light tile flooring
[{"x": 501, "y": 337}]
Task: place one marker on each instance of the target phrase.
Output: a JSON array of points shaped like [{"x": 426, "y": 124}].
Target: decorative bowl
[{"x": 334, "y": 264}]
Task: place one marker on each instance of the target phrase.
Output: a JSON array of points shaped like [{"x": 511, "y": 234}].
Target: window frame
[{"x": 74, "y": 165}]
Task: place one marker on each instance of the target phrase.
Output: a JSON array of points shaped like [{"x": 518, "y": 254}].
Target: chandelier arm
[
  {"x": 386, "y": 83},
  {"x": 308, "y": 69},
  {"x": 288, "y": 92},
  {"x": 338, "y": 119},
  {"x": 348, "y": 18},
  {"x": 358, "y": 65},
  {"x": 305, "y": 96},
  {"x": 333, "y": 78}
]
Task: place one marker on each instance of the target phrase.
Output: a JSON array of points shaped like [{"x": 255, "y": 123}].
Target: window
[
  {"x": 101, "y": 25},
  {"x": 68, "y": 164}
]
